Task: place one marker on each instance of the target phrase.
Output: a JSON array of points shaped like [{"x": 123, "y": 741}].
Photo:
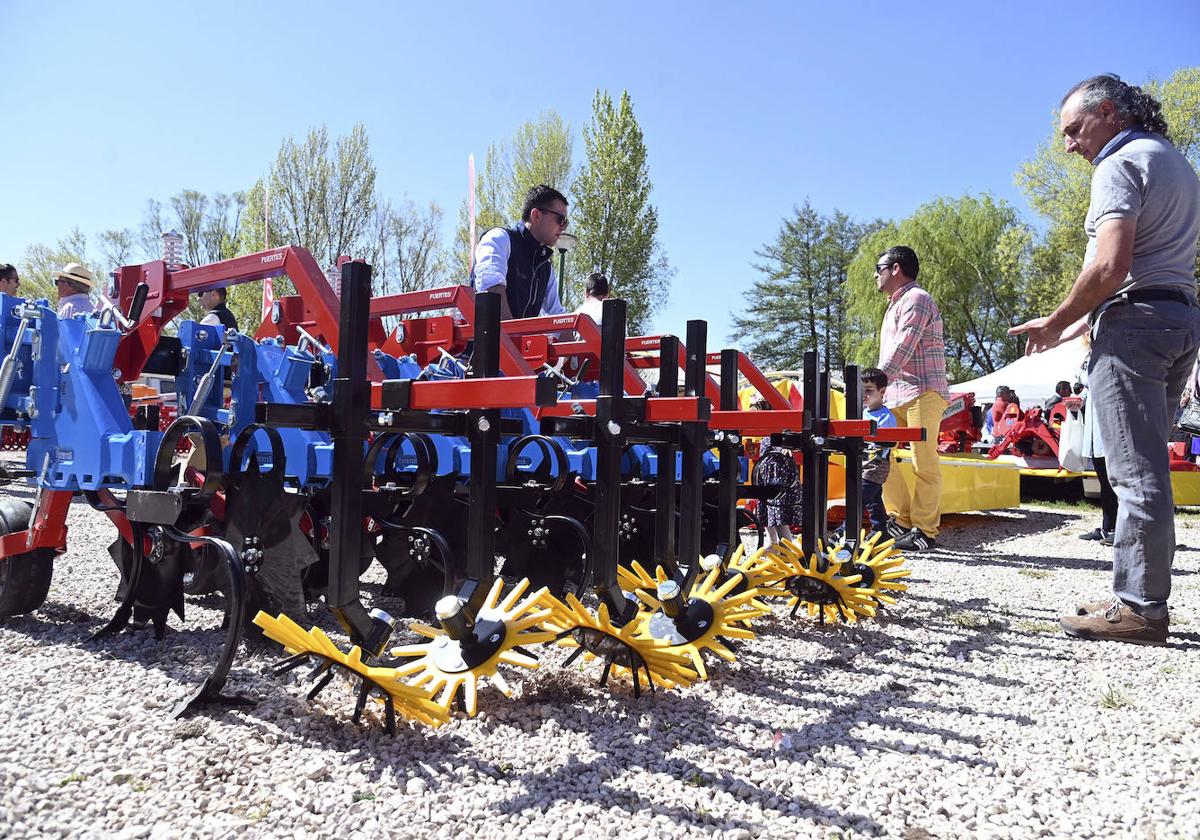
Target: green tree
[
  {"x": 801, "y": 293},
  {"x": 616, "y": 224},
  {"x": 1058, "y": 185},
  {"x": 42, "y": 262},
  {"x": 405, "y": 248},
  {"x": 539, "y": 152},
  {"x": 975, "y": 257},
  {"x": 320, "y": 200}
]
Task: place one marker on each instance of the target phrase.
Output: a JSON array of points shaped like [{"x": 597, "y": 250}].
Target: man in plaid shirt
[{"x": 913, "y": 355}]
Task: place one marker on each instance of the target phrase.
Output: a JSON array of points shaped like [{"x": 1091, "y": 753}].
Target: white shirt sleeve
[
  {"x": 491, "y": 260},
  {"x": 210, "y": 320},
  {"x": 552, "y": 304}
]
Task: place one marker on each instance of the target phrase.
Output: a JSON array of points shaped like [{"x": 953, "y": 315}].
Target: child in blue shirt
[{"x": 876, "y": 457}]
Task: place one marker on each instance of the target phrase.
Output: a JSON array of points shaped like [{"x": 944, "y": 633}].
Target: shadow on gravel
[{"x": 626, "y": 743}]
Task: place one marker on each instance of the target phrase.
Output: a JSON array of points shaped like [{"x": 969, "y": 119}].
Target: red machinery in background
[{"x": 962, "y": 424}]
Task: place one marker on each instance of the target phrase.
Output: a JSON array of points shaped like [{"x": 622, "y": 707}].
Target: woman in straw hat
[{"x": 74, "y": 284}]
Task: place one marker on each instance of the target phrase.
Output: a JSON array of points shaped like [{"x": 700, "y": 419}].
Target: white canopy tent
[{"x": 1032, "y": 377}]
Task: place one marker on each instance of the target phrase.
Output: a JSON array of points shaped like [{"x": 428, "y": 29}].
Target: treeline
[
  {"x": 323, "y": 196},
  {"x": 986, "y": 266}
]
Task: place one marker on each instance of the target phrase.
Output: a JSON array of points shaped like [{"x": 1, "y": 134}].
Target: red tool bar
[
  {"x": 423, "y": 300},
  {"x": 503, "y": 392},
  {"x": 658, "y": 409},
  {"x": 581, "y": 324},
  {"x": 898, "y": 434},
  {"x": 757, "y": 422},
  {"x": 850, "y": 428},
  {"x": 674, "y": 409}
]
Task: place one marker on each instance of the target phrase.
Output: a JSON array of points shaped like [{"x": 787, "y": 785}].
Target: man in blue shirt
[{"x": 517, "y": 262}]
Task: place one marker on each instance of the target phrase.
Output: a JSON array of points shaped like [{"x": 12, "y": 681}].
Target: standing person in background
[
  {"x": 216, "y": 312},
  {"x": 1136, "y": 294},
  {"x": 996, "y": 412},
  {"x": 595, "y": 290},
  {"x": 9, "y": 281},
  {"x": 1094, "y": 449},
  {"x": 779, "y": 470},
  {"x": 912, "y": 354},
  {"x": 516, "y": 262},
  {"x": 1061, "y": 391},
  {"x": 74, "y": 285}
]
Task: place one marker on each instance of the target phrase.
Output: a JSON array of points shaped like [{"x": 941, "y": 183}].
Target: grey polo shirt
[{"x": 1146, "y": 178}]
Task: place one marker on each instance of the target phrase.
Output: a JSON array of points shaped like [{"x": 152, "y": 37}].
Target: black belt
[{"x": 1152, "y": 295}]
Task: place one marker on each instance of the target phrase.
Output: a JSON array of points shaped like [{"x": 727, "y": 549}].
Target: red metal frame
[{"x": 48, "y": 531}]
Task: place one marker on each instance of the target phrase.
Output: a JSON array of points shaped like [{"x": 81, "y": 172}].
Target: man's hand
[{"x": 1041, "y": 335}]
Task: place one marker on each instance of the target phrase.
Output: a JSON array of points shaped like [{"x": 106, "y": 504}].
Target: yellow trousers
[{"x": 923, "y": 508}]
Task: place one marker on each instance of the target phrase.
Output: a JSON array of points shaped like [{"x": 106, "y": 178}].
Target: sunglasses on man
[
  {"x": 881, "y": 267},
  {"x": 563, "y": 221}
]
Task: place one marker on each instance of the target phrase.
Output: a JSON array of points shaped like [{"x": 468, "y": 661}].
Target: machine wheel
[{"x": 24, "y": 578}]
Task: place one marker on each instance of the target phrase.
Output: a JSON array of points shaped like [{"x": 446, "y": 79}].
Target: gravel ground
[{"x": 961, "y": 711}]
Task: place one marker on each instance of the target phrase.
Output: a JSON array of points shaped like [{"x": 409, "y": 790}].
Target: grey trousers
[{"x": 1142, "y": 354}]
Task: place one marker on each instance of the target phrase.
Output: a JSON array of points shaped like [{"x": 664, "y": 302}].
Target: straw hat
[{"x": 76, "y": 272}]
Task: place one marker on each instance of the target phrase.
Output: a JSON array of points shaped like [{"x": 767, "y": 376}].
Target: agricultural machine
[{"x": 519, "y": 482}]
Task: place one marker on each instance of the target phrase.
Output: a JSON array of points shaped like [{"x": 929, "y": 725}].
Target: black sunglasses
[
  {"x": 883, "y": 267},
  {"x": 562, "y": 218}
]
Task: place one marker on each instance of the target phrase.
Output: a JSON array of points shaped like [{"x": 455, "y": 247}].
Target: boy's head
[{"x": 874, "y": 384}]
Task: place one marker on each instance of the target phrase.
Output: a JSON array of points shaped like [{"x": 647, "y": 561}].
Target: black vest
[
  {"x": 225, "y": 316},
  {"x": 529, "y": 265}
]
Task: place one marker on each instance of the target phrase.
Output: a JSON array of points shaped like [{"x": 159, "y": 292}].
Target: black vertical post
[
  {"x": 854, "y": 459},
  {"x": 693, "y": 437},
  {"x": 810, "y": 472},
  {"x": 729, "y": 449},
  {"x": 351, "y": 401},
  {"x": 483, "y": 432},
  {"x": 610, "y": 448},
  {"x": 664, "y": 479}
]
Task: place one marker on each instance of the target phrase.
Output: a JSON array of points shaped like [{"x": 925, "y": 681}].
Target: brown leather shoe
[
  {"x": 1086, "y": 607},
  {"x": 1115, "y": 622}
]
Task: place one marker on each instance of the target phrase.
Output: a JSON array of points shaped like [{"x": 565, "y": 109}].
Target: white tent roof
[{"x": 1032, "y": 377}]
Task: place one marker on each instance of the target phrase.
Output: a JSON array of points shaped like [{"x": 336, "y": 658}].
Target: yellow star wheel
[
  {"x": 881, "y": 567},
  {"x": 623, "y": 651},
  {"x": 760, "y": 571},
  {"x": 817, "y": 584},
  {"x": 313, "y": 645},
  {"x": 454, "y": 667},
  {"x": 712, "y": 614}
]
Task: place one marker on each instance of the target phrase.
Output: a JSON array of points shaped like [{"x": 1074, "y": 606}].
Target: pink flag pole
[{"x": 471, "y": 211}]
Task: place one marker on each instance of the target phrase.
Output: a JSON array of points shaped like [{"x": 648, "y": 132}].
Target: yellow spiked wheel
[
  {"x": 713, "y": 613},
  {"x": 818, "y": 585},
  {"x": 596, "y": 637},
  {"x": 314, "y": 646},
  {"x": 452, "y": 668},
  {"x": 880, "y": 566},
  {"x": 760, "y": 571}
]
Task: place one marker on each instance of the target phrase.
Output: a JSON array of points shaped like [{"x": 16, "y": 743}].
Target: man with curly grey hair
[{"x": 1137, "y": 296}]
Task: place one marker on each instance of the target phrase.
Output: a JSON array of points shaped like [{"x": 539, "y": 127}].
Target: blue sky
[{"x": 747, "y": 109}]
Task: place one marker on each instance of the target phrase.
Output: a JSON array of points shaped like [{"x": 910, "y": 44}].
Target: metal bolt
[
  {"x": 614, "y": 428},
  {"x": 116, "y": 374},
  {"x": 483, "y": 424}
]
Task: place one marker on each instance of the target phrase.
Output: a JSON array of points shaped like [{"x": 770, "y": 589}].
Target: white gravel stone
[{"x": 961, "y": 710}]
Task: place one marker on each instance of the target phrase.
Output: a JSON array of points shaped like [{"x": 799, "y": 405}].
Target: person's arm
[
  {"x": 914, "y": 315},
  {"x": 491, "y": 267},
  {"x": 1117, "y": 199},
  {"x": 210, "y": 319}
]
